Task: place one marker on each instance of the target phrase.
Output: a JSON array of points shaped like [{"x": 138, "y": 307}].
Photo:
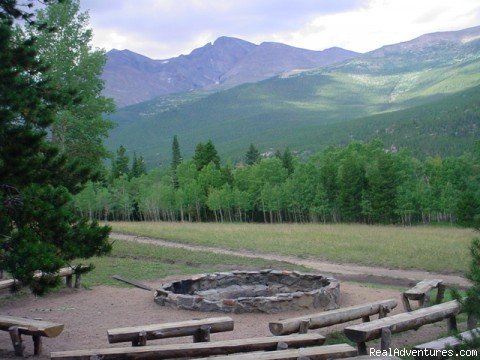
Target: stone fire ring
[{"x": 267, "y": 291}]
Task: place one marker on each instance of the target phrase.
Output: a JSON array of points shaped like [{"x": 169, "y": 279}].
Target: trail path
[{"x": 349, "y": 272}]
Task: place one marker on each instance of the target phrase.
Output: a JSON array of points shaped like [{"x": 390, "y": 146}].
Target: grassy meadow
[
  {"x": 433, "y": 248},
  {"x": 150, "y": 262}
]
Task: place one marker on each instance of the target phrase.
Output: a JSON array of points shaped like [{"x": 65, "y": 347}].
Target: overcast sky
[{"x": 165, "y": 28}]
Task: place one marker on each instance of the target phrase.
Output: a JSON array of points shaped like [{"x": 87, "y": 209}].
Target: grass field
[
  {"x": 150, "y": 262},
  {"x": 433, "y": 248}
]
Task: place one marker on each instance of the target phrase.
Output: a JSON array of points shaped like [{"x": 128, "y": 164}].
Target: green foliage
[
  {"x": 39, "y": 229},
  {"x": 176, "y": 160},
  {"x": 362, "y": 182},
  {"x": 120, "y": 164},
  {"x": 79, "y": 127},
  {"x": 138, "y": 166},
  {"x": 252, "y": 156},
  {"x": 206, "y": 154}
]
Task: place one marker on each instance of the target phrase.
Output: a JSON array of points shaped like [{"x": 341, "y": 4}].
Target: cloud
[
  {"x": 166, "y": 28},
  {"x": 384, "y": 22}
]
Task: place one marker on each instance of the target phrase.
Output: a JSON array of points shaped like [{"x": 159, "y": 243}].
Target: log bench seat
[
  {"x": 18, "y": 326},
  {"x": 66, "y": 272},
  {"x": 332, "y": 317},
  {"x": 383, "y": 328},
  {"x": 201, "y": 349},
  {"x": 444, "y": 344},
  {"x": 338, "y": 351},
  {"x": 420, "y": 292},
  {"x": 200, "y": 329}
]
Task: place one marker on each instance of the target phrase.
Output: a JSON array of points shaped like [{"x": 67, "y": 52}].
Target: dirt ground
[{"x": 87, "y": 314}]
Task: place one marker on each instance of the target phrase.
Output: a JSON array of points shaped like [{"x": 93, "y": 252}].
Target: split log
[
  {"x": 333, "y": 317},
  {"x": 401, "y": 322},
  {"x": 167, "y": 330},
  {"x": 314, "y": 353},
  {"x": 31, "y": 327},
  {"x": 199, "y": 349}
]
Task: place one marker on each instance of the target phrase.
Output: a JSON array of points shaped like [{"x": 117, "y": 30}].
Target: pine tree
[
  {"x": 176, "y": 160},
  {"x": 120, "y": 163},
  {"x": 252, "y": 156},
  {"x": 138, "y": 167},
  {"x": 206, "y": 154},
  {"x": 39, "y": 229},
  {"x": 287, "y": 161}
]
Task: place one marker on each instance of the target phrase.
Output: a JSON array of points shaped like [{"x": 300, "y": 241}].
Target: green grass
[
  {"x": 151, "y": 262},
  {"x": 441, "y": 249}
]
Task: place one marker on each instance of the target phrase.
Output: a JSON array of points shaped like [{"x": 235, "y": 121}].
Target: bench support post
[
  {"x": 203, "y": 334},
  {"x": 68, "y": 281},
  {"x": 282, "y": 346},
  {"x": 440, "y": 293},
  {"x": 142, "y": 339},
  {"x": 304, "y": 325},
  {"x": 406, "y": 303},
  {"x": 37, "y": 344},
  {"x": 386, "y": 339},
  {"x": 384, "y": 310},
  {"x": 362, "y": 348},
  {"x": 452, "y": 323},
  {"x": 471, "y": 322},
  {"x": 17, "y": 342},
  {"x": 78, "y": 280}
]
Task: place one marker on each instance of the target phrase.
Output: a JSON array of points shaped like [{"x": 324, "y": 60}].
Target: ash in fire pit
[{"x": 269, "y": 291}]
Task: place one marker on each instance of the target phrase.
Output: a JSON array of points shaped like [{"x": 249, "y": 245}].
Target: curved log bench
[
  {"x": 200, "y": 349},
  {"x": 332, "y": 317},
  {"x": 383, "y": 328},
  {"x": 200, "y": 330},
  {"x": 18, "y": 326},
  {"x": 420, "y": 292}
]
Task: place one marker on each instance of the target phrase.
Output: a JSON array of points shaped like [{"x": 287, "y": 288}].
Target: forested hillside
[{"x": 293, "y": 110}]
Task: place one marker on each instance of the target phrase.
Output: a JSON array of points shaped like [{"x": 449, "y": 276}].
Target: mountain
[
  {"x": 132, "y": 78},
  {"x": 309, "y": 110}
]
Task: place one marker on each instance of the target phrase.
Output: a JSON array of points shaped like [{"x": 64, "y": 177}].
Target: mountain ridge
[{"x": 132, "y": 78}]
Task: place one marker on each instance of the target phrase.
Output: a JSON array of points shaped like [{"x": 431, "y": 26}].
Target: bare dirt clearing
[{"x": 87, "y": 314}]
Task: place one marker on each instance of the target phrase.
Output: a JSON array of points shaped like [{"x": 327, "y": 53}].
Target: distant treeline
[{"x": 361, "y": 182}]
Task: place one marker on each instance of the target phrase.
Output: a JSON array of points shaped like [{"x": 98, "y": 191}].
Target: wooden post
[
  {"x": 384, "y": 310},
  {"x": 304, "y": 325},
  {"x": 471, "y": 322},
  {"x": 142, "y": 339},
  {"x": 440, "y": 293},
  {"x": 424, "y": 301},
  {"x": 16, "y": 337},
  {"x": 78, "y": 280},
  {"x": 406, "y": 303},
  {"x": 386, "y": 339},
  {"x": 203, "y": 334},
  {"x": 362, "y": 348},
  {"x": 366, "y": 319},
  {"x": 37, "y": 344},
  {"x": 68, "y": 281},
  {"x": 452, "y": 323}
]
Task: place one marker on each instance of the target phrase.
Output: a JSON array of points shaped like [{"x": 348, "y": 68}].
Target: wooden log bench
[
  {"x": 18, "y": 326},
  {"x": 200, "y": 329},
  {"x": 201, "y": 349},
  {"x": 436, "y": 347},
  {"x": 338, "y": 351},
  {"x": 383, "y": 328},
  {"x": 66, "y": 272},
  {"x": 333, "y": 317},
  {"x": 420, "y": 292}
]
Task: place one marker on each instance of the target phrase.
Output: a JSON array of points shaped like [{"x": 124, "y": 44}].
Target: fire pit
[{"x": 268, "y": 291}]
